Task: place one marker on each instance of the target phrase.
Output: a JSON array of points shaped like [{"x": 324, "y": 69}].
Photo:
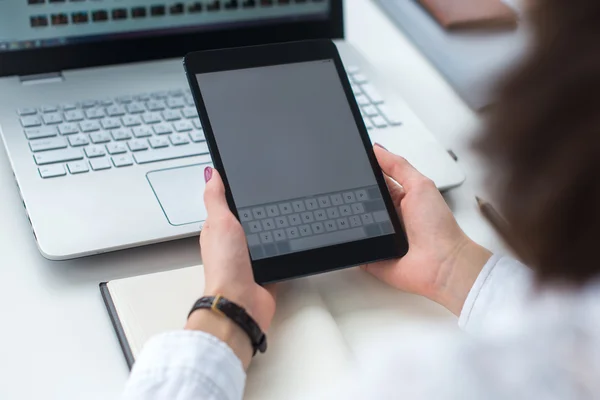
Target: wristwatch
[{"x": 238, "y": 315}]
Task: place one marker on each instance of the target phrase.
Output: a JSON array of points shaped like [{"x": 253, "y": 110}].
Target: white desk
[{"x": 56, "y": 341}]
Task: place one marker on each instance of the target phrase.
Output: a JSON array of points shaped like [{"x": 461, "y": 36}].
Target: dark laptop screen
[{"x": 27, "y": 24}]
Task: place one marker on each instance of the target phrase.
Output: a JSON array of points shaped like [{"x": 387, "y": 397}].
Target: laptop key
[
  {"x": 74, "y": 116},
  {"x": 78, "y": 140},
  {"x": 95, "y": 151},
  {"x": 131, "y": 120},
  {"x": 179, "y": 139},
  {"x": 389, "y": 115},
  {"x": 110, "y": 123},
  {"x": 31, "y": 122},
  {"x": 362, "y": 100},
  {"x": 123, "y": 160},
  {"x": 171, "y": 153},
  {"x": 151, "y": 118},
  {"x": 163, "y": 129},
  {"x": 158, "y": 142},
  {"x": 78, "y": 167},
  {"x": 372, "y": 93},
  {"x": 159, "y": 95},
  {"x": 94, "y": 113},
  {"x": 176, "y": 102},
  {"x": 370, "y": 111},
  {"x": 49, "y": 109},
  {"x": 39, "y": 133},
  {"x": 155, "y": 105},
  {"x": 68, "y": 129},
  {"x": 121, "y": 134},
  {"x": 69, "y": 106},
  {"x": 171, "y": 115},
  {"x": 27, "y": 111},
  {"x": 124, "y": 99},
  {"x": 116, "y": 148},
  {"x": 89, "y": 126},
  {"x": 99, "y": 164},
  {"x": 359, "y": 78},
  {"x": 142, "y": 97},
  {"x": 48, "y": 144},
  {"x": 115, "y": 111},
  {"x": 88, "y": 103},
  {"x": 183, "y": 126},
  {"x": 142, "y": 131},
  {"x": 100, "y": 137},
  {"x": 189, "y": 112},
  {"x": 138, "y": 145},
  {"x": 52, "y": 171},
  {"x": 379, "y": 122},
  {"x": 56, "y": 156},
  {"x": 135, "y": 108},
  {"x": 197, "y": 136}
]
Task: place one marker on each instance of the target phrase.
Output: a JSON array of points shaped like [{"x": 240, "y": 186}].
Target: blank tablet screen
[{"x": 296, "y": 164}]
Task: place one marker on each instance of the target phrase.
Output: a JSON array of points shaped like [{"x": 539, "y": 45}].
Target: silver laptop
[{"x": 97, "y": 119}]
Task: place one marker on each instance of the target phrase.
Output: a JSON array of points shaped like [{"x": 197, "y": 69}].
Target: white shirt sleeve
[
  {"x": 186, "y": 365},
  {"x": 503, "y": 286},
  {"x": 430, "y": 363}
]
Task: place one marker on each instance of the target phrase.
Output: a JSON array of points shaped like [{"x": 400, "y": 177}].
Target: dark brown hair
[{"x": 543, "y": 143}]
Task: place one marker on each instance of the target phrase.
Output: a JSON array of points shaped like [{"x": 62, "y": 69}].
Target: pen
[{"x": 502, "y": 227}]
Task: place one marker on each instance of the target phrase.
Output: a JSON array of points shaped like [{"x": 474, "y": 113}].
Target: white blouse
[{"x": 522, "y": 343}]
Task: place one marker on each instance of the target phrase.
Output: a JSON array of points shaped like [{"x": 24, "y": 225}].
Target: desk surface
[{"x": 56, "y": 340}]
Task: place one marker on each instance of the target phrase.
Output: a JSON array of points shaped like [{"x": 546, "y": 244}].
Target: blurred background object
[{"x": 471, "y": 60}]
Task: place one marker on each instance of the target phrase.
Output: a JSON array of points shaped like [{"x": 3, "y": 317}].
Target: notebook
[
  {"x": 456, "y": 14},
  {"x": 321, "y": 325}
]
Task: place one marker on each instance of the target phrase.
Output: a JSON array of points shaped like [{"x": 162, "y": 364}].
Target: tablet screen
[{"x": 294, "y": 158}]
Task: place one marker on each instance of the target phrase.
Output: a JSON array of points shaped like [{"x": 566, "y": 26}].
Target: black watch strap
[{"x": 237, "y": 314}]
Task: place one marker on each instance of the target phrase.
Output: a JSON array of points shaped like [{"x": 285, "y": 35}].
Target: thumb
[
  {"x": 385, "y": 271},
  {"x": 397, "y": 168},
  {"x": 214, "y": 193}
]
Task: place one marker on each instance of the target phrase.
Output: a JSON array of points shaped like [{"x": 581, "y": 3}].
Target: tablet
[{"x": 286, "y": 135}]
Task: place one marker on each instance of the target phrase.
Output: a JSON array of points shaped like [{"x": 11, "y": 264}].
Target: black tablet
[{"x": 286, "y": 135}]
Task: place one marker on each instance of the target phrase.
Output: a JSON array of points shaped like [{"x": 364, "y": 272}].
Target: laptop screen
[{"x": 28, "y": 24}]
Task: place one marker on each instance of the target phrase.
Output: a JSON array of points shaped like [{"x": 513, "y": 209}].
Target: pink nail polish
[
  {"x": 208, "y": 173},
  {"x": 378, "y": 145}
]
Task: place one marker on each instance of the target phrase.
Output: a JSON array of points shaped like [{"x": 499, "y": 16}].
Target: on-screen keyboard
[{"x": 315, "y": 221}]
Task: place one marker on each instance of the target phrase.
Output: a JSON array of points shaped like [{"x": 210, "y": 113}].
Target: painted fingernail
[
  {"x": 378, "y": 145},
  {"x": 207, "y": 173}
]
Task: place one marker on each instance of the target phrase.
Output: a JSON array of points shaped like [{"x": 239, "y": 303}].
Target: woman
[{"x": 534, "y": 333}]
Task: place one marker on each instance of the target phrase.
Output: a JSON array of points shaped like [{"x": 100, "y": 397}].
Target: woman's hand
[
  {"x": 228, "y": 272},
  {"x": 442, "y": 262}
]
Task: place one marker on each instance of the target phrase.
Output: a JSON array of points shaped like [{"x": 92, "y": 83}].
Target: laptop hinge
[{"x": 52, "y": 77}]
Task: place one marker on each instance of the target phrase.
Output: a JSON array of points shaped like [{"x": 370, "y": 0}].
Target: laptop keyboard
[
  {"x": 99, "y": 135},
  {"x": 317, "y": 221}
]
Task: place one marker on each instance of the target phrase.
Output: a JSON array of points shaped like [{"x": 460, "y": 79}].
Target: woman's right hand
[{"x": 442, "y": 262}]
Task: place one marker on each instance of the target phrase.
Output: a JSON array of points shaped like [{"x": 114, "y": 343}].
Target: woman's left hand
[{"x": 227, "y": 268}]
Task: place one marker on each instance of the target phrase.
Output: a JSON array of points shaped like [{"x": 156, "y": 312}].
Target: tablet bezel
[{"x": 317, "y": 260}]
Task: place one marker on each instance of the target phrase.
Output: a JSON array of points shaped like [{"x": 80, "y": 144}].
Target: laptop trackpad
[{"x": 180, "y": 193}]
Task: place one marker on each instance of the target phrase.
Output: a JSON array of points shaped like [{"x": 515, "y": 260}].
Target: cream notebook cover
[{"x": 320, "y": 323}]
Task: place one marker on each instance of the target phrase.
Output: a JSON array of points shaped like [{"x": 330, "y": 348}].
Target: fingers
[
  {"x": 398, "y": 168},
  {"x": 214, "y": 195}
]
